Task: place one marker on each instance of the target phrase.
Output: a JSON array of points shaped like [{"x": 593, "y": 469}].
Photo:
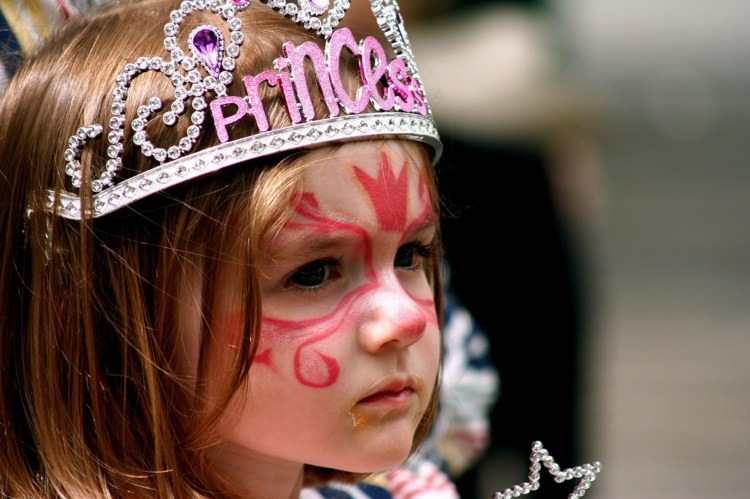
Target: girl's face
[{"x": 349, "y": 349}]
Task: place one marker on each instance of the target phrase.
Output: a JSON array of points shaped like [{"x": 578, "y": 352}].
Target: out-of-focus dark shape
[{"x": 520, "y": 175}]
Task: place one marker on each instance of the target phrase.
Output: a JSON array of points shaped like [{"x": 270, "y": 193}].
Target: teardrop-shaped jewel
[
  {"x": 315, "y": 7},
  {"x": 207, "y": 44}
]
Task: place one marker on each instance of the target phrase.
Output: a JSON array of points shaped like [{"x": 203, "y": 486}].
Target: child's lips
[
  {"x": 393, "y": 391},
  {"x": 390, "y": 396}
]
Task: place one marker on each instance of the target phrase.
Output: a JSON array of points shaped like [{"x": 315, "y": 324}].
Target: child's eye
[
  {"x": 314, "y": 274},
  {"x": 411, "y": 256}
]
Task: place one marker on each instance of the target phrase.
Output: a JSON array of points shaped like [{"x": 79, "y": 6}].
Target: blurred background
[
  {"x": 669, "y": 363},
  {"x": 598, "y": 167}
]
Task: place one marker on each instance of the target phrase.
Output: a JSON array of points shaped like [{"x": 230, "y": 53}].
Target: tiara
[{"x": 201, "y": 75}]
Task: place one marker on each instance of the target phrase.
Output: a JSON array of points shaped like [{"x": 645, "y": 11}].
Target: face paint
[
  {"x": 349, "y": 345},
  {"x": 387, "y": 195}
]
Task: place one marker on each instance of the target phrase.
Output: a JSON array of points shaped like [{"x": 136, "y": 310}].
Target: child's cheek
[
  {"x": 314, "y": 368},
  {"x": 307, "y": 349}
]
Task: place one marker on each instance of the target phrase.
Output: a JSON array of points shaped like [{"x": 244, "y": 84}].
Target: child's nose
[{"x": 392, "y": 319}]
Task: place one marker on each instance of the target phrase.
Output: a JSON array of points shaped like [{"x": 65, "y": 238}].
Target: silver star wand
[{"x": 540, "y": 456}]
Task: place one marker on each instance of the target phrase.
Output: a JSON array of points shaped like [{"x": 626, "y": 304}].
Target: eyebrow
[{"x": 310, "y": 242}]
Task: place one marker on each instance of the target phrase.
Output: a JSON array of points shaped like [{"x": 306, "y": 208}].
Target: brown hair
[{"x": 92, "y": 400}]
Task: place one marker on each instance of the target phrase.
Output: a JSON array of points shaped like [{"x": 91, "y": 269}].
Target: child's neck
[
  {"x": 261, "y": 477},
  {"x": 268, "y": 488}
]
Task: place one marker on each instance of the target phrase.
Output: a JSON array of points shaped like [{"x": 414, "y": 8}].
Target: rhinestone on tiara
[{"x": 201, "y": 75}]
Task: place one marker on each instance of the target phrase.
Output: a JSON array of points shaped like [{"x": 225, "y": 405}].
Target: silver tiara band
[{"x": 158, "y": 178}]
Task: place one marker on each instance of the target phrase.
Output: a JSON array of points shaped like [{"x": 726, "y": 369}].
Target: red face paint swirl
[{"x": 387, "y": 193}]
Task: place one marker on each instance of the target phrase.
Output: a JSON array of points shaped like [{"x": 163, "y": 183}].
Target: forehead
[
  {"x": 381, "y": 186},
  {"x": 368, "y": 175}
]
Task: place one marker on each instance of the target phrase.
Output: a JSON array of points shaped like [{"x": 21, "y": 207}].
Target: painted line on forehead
[
  {"x": 427, "y": 216},
  {"x": 425, "y": 195},
  {"x": 319, "y": 235},
  {"x": 307, "y": 206},
  {"x": 422, "y": 222},
  {"x": 388, "y": 194}
]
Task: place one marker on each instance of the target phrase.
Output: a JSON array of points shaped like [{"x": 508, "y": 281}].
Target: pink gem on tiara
[
  {"x": 206, "y": 43},
  {"x": 306, "y": 12},
  {"x": 315, "y": 6}
]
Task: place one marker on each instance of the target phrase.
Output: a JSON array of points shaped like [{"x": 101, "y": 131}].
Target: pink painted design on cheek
[
  {"x": 263, "y": 357},
  {"x": 428, "y": 307},
  {"x": 387, "y": 193},
  {"x": 314, "y": 368}
]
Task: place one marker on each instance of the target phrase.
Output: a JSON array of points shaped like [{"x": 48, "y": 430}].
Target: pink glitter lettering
[
  {"x": 398, "y": 76},
  {"x": 221, "y": 121},
  {"x": 374, "y": 66},
  {"x": 296, "y": 57},
  {"x": 252, "y": 84},
  {"x": 386, "y": 85},
  {"x": 343, "y": 38}
]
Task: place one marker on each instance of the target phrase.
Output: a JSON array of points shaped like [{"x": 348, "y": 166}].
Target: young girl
[{"x": 220, "y": 255}]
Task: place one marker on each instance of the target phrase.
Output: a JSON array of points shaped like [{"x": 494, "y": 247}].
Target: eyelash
[
  {"x": 423, "y": 253},
  {"x": 331, "y": 268}
]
